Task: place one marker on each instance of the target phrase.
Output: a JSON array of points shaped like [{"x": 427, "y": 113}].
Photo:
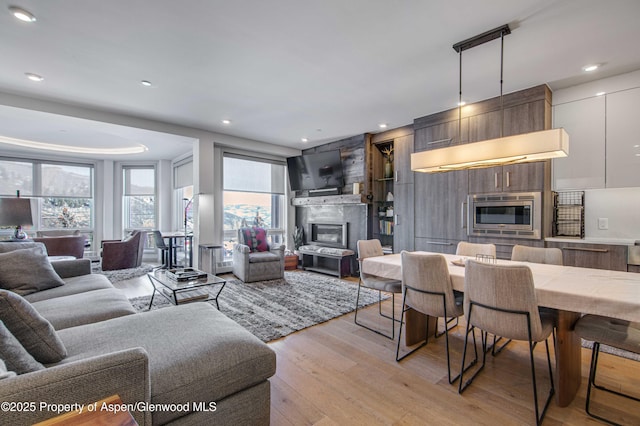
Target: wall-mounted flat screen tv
[{"x": 315, "y": 171}]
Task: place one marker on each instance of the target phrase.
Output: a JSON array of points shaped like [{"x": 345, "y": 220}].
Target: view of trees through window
[{"x": 139, "y": 203}]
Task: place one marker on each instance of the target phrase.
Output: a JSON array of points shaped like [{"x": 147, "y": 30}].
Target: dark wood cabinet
[
  {"x": 525, "y": 177},
  {"x": 403, "y": 229},
  {"x": 437, "y": 245},
  {"x": 441, "y": 135},
  {"x": 440, "y": 205},
  {"x": 402, "y": 149},
  {"x": 597, "y": 256}
]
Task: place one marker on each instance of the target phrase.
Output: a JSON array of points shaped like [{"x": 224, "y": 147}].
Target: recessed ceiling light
[
  {"x": 22, "y": 14},
  {"x": 589, "y": 68},
  {"x": 382, "y": 125},
  {"x": 34, "y": 77},
  {"x": 145, "y": 83},
  {"x": 226, "y": 121},
  {"x": 636, "y": 146},
  {"x": 137, "y": 149},
  {"x": 304, "y": 140},
  {"x": 601, "y": 93}
]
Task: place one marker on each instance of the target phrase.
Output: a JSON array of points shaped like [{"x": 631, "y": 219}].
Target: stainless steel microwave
[{"x": 505, "y": 214}]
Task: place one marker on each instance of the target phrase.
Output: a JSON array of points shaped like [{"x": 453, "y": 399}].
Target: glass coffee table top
[{"x": 178, "y": 292}]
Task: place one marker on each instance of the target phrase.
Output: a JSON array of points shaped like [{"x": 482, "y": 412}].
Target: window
[
  {"x": 253, "y": 196},
  {"x": 183, "y": 194},
  {"x": 62, "y": 193},
  {"x": 139, "y": 202}
]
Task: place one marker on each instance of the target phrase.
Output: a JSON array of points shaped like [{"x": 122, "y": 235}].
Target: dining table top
[{"x": 584, "y": 290}]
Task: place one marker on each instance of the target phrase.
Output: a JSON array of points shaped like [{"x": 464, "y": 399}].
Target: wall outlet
[{"x": 603, "y": 223}]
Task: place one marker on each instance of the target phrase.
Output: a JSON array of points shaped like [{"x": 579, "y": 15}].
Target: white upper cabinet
[
  {"x": 623, "y": 139},
  {"x": 584, "y": 121}
]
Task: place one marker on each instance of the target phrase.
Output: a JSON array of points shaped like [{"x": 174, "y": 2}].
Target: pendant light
[{"x": 520, "y": 148}]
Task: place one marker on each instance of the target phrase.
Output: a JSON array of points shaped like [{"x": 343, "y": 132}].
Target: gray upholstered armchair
[{"x": 254, "y": 259}]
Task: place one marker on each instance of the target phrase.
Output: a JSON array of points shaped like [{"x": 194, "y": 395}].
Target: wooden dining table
[{"x": 571, "y": 291}]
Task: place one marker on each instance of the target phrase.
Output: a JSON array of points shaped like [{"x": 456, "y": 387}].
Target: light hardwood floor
[{"x": 338, "y": 373}]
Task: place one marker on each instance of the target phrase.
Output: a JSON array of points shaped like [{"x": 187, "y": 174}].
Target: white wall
[{"x": 621, "y": 206}]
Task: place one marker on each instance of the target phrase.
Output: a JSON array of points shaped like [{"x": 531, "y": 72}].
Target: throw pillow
[
  {"x": 15, "y": 356},
  {"x": 260, "y": 238},
  {"x": 26, "y": 271},
  {"x": 31, "y": 329},
  {"x": 248, "y": 237}
]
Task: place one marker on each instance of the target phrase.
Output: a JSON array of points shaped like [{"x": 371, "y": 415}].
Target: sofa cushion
[
  {"x": 195, "y": 352},
  {"x": 263, "y": 256},
  {"x": 4, "y": 372},
  {"x": 87, "y": 308},
  {"x": 72, "y": 285},
  {"x": 15, "y": 356},
  {"x": 7, "y": 246},
  {"x": 33, "y": 331},
  {"x": 26, "y": 271}
]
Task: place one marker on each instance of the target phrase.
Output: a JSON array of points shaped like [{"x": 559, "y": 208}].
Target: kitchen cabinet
[
  {"x": 525, "y": 177},
  {"x": 504, "y": 246},
  {"x": 623, "y": 141},
  {"x": 402, "y": 149},
  {"x": 597, "y": 256},
  {"x": 441, "y": 205},
  {"x": 441, "y": 135},
  {"x": 524, "y": 118},
  {"x": 584, "y": 121}
]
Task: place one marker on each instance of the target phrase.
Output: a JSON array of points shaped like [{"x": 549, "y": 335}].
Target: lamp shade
[
  {"x": 15, "y": 212},
  {"x": 521, "y": 148}
]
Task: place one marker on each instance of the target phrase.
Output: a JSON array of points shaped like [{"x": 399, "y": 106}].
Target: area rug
[
  {"x": 276, "y": 308},
  {"x": 122, "y": 274}
]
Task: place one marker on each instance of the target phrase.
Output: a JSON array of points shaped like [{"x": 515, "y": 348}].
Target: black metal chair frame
[
  {"x": 405, "y": 308},
  {"x": 160, "y": 244},
  {"x": 392, "y": 317},
  {"x": 463, "y": 385},
  {"x": 592, "y": 383}
]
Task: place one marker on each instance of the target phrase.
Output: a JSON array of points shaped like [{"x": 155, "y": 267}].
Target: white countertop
[{"x": 612, "y": 241}]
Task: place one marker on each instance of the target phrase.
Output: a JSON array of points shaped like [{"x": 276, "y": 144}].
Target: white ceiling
[{"x": 282, "y": 70}]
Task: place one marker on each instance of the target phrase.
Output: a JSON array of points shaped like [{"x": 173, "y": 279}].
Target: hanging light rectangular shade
[{"x": 521, "y": 148}]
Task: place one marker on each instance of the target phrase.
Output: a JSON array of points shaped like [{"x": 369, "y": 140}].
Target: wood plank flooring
[{"x": 338, "y": 373}]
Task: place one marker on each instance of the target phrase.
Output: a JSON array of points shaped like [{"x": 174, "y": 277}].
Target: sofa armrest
[
  {"x": 72, "y": 268},
  {"x": 125, "y": 373}
]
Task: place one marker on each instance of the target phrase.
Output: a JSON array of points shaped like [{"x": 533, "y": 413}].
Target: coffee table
[{"x": 178, "y": 292}]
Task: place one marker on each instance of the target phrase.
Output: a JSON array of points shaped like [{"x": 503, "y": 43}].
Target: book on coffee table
[
  {"x": 185, "y": 274},
  {"x": 188, "y": 296}
]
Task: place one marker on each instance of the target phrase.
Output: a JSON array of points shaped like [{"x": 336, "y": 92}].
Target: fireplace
[{"x": 328, "y": 234}]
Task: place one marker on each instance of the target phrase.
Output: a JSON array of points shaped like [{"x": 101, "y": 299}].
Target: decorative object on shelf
[
  {"x": 16, "y": 212},
  {"x": 388, "y": 165},
  {"x": 390, "y": 211},
  {"x": 356, "y": 187},
  {"x": 298, "y": 237},
  {"x": 390, "y": 196}
]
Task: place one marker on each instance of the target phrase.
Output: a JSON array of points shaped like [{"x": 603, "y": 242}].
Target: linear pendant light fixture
[{"x": 520, "y": 148}]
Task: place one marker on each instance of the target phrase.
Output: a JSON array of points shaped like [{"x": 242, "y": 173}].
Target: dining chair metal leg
[{"x": 393, "y": 314}]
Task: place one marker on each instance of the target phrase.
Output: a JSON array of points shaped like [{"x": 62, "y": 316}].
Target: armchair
[
  {"x": 123, "y": 254},
  {"x": 64, "y": 245},
  {"x": 254, "y": 259}
]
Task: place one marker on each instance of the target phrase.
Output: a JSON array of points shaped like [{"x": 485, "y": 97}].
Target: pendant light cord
[
  {"x": 501, "y": 81},
  {"x": 460, "y": 101}
]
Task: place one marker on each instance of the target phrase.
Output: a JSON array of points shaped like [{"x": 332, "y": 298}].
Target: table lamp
[{"x": 16, "y": 212}]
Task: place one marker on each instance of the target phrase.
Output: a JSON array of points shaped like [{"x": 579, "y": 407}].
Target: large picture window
[
  {"x": 62, "y": 193},
  {"x": 139, "y": 200},
  {"x": 253, "y": 196}
]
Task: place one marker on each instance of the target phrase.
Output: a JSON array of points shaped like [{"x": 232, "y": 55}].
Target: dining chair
[
  {"x": 164, "y": 248},
  {"x": 550, "y": 256},
  {"x": 474, "y": 249},
  {"x": 501, "y": 300},
  {"x": 371, "y": 248},
  {"x": 427, "y": 289},
  {"x": 613, "y": 332}
]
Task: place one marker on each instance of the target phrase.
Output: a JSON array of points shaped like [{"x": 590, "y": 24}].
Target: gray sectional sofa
[{"x": 188, "y": 364}]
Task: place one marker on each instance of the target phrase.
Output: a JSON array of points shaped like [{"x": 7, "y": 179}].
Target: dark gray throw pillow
[
  {"x": 15, "y": 356},
  {"x": 31, "y": 329},
  {"x": 26, "y": 271}
]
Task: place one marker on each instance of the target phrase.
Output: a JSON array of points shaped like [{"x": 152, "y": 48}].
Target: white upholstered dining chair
[
  {"x": 550, "y": 256},
  {"x": 371, "y": 248},
  {"x": 501, "y": 300},
  {"x": 427, "y": 289},
  {"x": 474, "y": 249}
]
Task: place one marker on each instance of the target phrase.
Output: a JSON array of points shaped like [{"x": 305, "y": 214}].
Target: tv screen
[{"x": 315, "y": 171}]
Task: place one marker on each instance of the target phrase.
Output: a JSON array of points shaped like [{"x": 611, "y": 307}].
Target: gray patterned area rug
[
  {"x": 276, "y": 308},
  {"x": 122, "y": 274}
]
